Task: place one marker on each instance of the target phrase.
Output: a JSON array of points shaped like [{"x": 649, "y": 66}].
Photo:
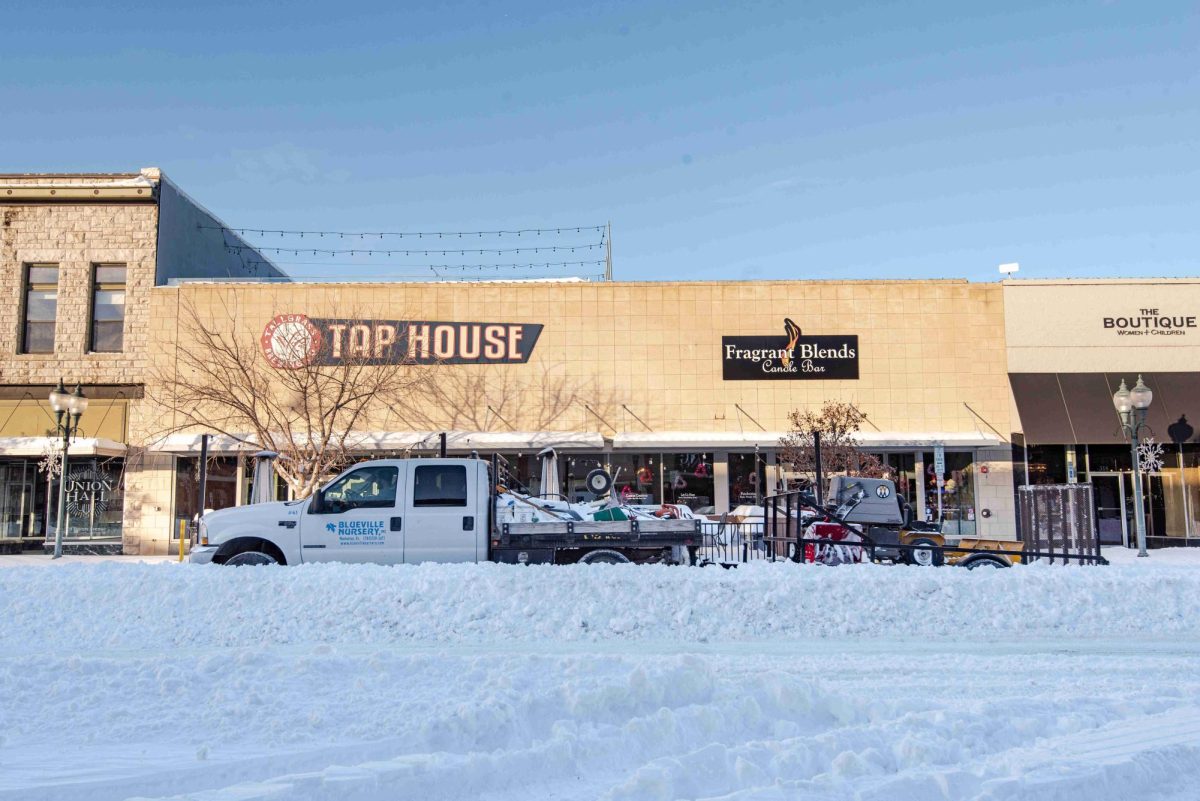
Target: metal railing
[{"x": 779, "y": 536}]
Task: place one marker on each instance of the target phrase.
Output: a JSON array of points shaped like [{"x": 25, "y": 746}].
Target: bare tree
[
  {"x": 838, "y": 423},
  {"x": 487, "y": 397},
  {"x": 307, "y": 410}
]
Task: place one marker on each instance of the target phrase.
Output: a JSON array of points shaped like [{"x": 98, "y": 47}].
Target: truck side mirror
[{"x": 316, "y": 505}]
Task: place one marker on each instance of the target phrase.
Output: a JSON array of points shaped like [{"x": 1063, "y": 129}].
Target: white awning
[
  {"x": 217, "y": 443},
  {"x": 668, "y": 440},
  {"x": 721, "y": 440},
  {"x": 372, "y": 441},
  {"x": 40, "y": 446},
  {"x": 475, "y": 440}
]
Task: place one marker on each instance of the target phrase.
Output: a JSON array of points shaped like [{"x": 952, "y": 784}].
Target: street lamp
[
  {"x": 1131, "y": 405},
  {"x": 68, "y": 408}
]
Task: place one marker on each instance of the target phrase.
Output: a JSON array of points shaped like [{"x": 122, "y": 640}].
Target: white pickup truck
[{"x": 394, "y": 511}]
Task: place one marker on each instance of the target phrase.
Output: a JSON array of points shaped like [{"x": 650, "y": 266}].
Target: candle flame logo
[{"x": 793, "y": 334}]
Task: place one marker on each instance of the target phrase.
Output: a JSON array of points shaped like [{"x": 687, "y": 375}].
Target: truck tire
[
  {"x": 924, "y": 557},
  {"x": 604, "y": 556},
  {"x": 253, "y": 552},
  {"x": 985, "y": 562}
]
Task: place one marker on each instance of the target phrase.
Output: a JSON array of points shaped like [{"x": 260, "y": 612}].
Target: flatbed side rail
[{"x": 578, "y": 533}]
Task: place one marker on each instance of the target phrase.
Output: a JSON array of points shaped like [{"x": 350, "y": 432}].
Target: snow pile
[
  {"x": 104, "y": 606},
  {"x": 503, "y": 683}
]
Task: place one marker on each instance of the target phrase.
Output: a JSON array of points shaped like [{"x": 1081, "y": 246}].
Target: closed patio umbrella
[
  {"x": 262, "y": 490},
  {"x": 549, "y": 484}
]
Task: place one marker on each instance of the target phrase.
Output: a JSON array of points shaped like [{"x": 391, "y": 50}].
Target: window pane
[
  {"x": 39, "y": 337},
  {"x": 688, "y": 479},
  {"x": 440, "y": 485},
  {"x": 107, "y": 337},
  {"x": 43, "y": 275},
  {"x": 41, "y": 306},
  {"x": 110, "y": 274},
  {"x": 109, "y": 304},
  {"x": 635, "y": 477},
  {"x": 368, "y": 488}
]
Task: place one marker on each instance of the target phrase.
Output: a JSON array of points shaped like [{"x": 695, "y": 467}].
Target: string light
[
  {"x": 419, "y": 234},
  {"x": 241, "y": 249},
  {"x": 544, "y": 265},
  {"x": 433, "y": 252}
]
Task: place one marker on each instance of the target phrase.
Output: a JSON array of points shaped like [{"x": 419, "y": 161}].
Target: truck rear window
[{"x": 440, "y": 485}]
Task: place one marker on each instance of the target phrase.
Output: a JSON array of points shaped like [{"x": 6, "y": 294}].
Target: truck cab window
[
  {"x": 440, "y": 485},
  {"x": 368, "y": 488}
]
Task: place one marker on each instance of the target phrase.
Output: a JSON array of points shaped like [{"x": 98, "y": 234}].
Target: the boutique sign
[
  {"x": 1150, "y": 322},
  {"x": 792, "y": 356}
]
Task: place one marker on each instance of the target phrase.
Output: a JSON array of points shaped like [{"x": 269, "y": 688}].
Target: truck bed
[{"x": 612, "y": 534}]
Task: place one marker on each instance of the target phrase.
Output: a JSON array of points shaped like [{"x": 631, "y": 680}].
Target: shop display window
[
  {"x": 957, "y": 494},
  {"x": 635, "y": 477},
  {"x": 747, "y": 485},
  {"x": 95, "y": 499},
  {"x": 220, "y": 487},
  {"x": 573, "y": 469},
  {"x": 901, "y": 468},
  {"x": 1047, "y": 464},
  {"x": 688, "y": 479}
]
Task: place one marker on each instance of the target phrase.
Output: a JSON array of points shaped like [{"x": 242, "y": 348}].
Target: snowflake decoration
[
  {"x": 1150, "y": 455},
  {"x": 51, "y": 461}
]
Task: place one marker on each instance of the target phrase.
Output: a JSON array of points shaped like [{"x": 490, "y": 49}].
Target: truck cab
[{"x": 387, "y": 511}]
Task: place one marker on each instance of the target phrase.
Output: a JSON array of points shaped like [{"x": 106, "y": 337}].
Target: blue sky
[{"x": 723, "y": 140}]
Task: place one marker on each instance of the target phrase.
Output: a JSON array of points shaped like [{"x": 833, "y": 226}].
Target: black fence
[{"x": 779, "y": 536}]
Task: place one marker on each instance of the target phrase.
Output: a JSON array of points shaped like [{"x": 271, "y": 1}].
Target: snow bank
[{"x": 87, "y": 607}]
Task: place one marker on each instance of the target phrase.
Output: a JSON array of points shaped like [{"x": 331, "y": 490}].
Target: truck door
[
  {"x": 443, "y": 521},
  {"x": 357, "y": 519}
]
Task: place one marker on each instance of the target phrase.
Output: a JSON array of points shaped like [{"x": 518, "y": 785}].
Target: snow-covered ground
[{"x": 123, "y": 679}]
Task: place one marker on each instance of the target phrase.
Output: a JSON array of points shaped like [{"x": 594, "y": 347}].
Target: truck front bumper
[{"x": 202, "y": 554}]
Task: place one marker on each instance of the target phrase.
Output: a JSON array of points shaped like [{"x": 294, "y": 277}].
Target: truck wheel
[
  {"x": 251, "y": 558},
  {"x": 925, "y": 557},
  {"x": 985, "y": 562},
  {"x": 603, "y": 557}
]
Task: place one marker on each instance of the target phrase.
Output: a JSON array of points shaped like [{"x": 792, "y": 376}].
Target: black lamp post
[
  {"x": 1131, "y": 405},
  {"x": 67, "y": 411}
]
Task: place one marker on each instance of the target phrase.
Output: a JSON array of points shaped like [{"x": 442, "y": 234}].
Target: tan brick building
[{"x": 682, "y": 389}]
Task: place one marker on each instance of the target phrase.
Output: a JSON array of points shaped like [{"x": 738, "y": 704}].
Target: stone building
[{"x": 79, "y": 257}]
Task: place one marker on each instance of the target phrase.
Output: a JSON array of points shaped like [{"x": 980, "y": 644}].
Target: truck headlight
[{"x": 203, "y": 535}]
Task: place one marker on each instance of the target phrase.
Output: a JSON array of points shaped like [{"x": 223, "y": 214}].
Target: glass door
[
  {"x": 1112, "y": 521},
  {"x": 17, "y": 500}
]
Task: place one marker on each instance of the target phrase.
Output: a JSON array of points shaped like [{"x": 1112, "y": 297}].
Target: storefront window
[
  {"x": 220, "y": 487},
  {"x": 957, "y": 494},
  {"x": 574, "y": 469},
  {"x": 1047, "y": 464},
  {"x": 901, "y": 468},
  {"x": 1109, "y": 458},
  {"x": 281, "y": 487},
  {"x": 635, "y": 477},
  {"x": 747, "y": 486},
  {"x": 95, "y": 499},
  {"x": 688, "y": 480},
  {"x": 1191, "y": 479}
]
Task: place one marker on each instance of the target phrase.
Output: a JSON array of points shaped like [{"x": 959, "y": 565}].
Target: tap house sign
[
  {"x": 791, "y": 357},
  {"x": 291, "y": 341}
]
